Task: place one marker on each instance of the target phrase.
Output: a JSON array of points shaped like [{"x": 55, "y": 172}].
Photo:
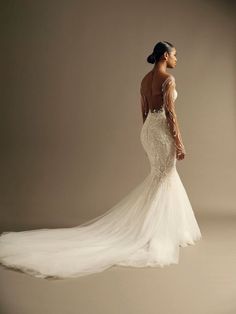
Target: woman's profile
[{"x": 147, "y": 227}]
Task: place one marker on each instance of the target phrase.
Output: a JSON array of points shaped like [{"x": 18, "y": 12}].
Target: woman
[
  {"x": 164, "y": 56},
  {"x": 147, "y": 226}
]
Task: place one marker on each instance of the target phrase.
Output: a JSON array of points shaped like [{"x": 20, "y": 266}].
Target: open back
[
  {"x": 162, "y": 100},
  {"x": 153, "y": 98}
]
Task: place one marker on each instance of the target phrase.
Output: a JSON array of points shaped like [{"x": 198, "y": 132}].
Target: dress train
[{"x": 145, "y": 228}]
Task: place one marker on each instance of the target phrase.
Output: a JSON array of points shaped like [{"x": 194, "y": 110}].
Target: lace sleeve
[{"x": 168, "y": 90}]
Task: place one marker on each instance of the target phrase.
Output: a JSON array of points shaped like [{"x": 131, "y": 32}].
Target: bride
[{"x": 148, "y": 226}]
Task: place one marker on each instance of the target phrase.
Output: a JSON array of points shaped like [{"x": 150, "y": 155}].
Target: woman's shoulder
[
  {"x": 146, "y": 77},
  {"x": 162, "y": 77},
  {"x": 164, "y": 80},
  {"x": 169, "y": 79}
]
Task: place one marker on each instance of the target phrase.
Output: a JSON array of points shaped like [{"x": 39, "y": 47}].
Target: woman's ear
[{"x": 165, "y": 55}]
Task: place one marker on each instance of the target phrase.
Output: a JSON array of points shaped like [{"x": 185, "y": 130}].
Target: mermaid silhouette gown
[{"x": 146, "y": 228}]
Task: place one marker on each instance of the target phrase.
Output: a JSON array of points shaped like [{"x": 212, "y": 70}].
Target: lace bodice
[{"x": 169, "y": 95}]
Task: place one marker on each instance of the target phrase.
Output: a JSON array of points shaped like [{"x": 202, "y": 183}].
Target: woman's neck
[{"x": 160, "y": 66}]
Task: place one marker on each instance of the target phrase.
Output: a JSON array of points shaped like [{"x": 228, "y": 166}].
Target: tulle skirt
[{"x": 144, "y": 229}]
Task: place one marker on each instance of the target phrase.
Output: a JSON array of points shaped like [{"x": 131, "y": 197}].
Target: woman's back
[{"x": 151, "y": 90}]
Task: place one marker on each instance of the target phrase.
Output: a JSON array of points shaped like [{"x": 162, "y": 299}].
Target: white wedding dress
[{"x": 145, "y": 228}]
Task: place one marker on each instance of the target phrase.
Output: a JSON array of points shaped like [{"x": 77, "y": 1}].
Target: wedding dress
[{"x": 144, "y": 229}]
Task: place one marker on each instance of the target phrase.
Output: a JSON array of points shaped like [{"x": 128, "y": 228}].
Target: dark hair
[{"x": 160, "y": 48}]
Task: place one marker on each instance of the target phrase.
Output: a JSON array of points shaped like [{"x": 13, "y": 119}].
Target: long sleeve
[{"x": 169, "y": 104}]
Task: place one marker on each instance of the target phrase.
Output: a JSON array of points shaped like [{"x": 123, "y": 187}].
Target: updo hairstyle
[{"x": 160, "y": 48}]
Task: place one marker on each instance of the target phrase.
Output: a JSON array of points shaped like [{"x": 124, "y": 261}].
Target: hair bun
[
  {"x": 151, "y": 58},
  {"x": 159, "y": 49}
]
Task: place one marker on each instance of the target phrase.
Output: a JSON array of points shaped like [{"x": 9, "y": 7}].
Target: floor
[{"x": 204, "y": 282}]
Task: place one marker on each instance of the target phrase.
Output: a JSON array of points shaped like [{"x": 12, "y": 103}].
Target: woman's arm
[
  {"x": 168, "y": 99},
  {"x": 144, "y": 106}
]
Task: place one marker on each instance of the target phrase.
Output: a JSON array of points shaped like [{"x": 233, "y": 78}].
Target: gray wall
[{"x": 70, "y": 111}]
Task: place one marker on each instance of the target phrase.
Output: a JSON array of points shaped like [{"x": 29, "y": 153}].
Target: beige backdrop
[{"x": 71, "y": 118}]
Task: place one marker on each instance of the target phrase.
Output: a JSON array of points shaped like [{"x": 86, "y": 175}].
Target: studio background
[{"x": 70, "y": 105}]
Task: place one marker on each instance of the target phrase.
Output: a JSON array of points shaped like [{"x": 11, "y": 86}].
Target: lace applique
[{"x": 158, "y": 144}]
